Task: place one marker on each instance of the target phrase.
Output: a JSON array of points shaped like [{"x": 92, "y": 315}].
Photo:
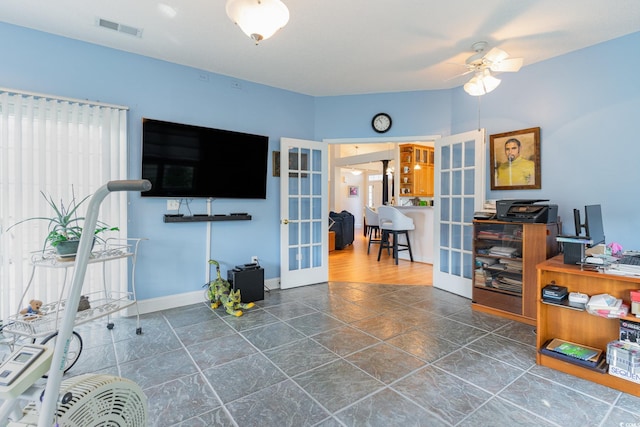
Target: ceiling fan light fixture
[
  {"x": 258, "y": 19},
  {"x": 482, "y": 83}
]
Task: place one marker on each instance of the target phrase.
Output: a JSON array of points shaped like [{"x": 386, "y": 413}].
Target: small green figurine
[{"x": 220, "y": 293}]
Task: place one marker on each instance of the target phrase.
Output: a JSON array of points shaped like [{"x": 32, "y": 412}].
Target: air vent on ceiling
[{"x": 121, "y": 28}]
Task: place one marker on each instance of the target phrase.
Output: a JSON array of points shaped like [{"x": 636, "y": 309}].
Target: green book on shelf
[{"x": 574, "y": 350}]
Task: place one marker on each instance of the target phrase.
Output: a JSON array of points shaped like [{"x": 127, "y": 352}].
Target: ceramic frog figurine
[{"x": 220, "y": 293}]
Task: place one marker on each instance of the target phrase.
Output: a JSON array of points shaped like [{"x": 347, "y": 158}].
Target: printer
[{"x": 524, "y": 210}]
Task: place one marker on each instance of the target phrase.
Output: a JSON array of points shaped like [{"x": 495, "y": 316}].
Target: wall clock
[{"x": 381, "y": 122}]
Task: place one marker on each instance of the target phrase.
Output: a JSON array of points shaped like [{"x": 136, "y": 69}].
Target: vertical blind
[{"x": 62, "y": 148}]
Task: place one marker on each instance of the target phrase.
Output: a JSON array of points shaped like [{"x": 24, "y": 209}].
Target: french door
[
  {"x": 459, "y": 192},
  {"x": 304, "y": 213}
]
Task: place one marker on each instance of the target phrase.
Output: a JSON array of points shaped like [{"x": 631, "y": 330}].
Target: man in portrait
[{"x": 516, "y": 170}]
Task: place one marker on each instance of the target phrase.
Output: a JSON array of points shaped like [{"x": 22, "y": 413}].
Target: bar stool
[
  {"x": 395, "y": 223},
  {"x": 373, "y": 227}
]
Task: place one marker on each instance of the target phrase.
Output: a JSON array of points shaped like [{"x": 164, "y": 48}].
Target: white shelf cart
[{"x": 102, "y": 303}]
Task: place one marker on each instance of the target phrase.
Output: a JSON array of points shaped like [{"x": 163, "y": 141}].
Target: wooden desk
[{"x": 580, "y": 327}]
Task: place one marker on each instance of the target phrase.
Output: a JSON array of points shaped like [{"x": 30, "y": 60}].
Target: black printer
[{"x": 529, "y": 211}]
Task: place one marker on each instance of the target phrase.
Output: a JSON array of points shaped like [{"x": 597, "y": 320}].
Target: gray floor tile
[
  {"x": 345, "y": 340},
  {"x": 423, "y": 345},
  {"x": 506, "y": 350},
  {"x": 272, "y": 335},
  {"x": 178, "y": 400},
  {"x": 555, "y": 402},
  {"x": 337, "y": 384},
  {"x": 243, "y": 376},
  {"x": 300, "y": 356},
  {"x": 289, "y": 311},
  {"x": 388, "y": 408},
  {"x": 384, "y": 326},
  {"x": 385, "y": 362},
  {"x": 442, "y": 394},
  {"x": 621, "y": 418},
  {"x": 203, "y": 331},
  {"x": 526, "y": 334},
  {"x": 283, "y": 405},
  {"x": 314, "y": 323},
  {"x": 220, "y": 350},
  {"x": 497, "y": 412},
  {"x": 487, "y": 373},
  {"x": 158, "y": 369}
]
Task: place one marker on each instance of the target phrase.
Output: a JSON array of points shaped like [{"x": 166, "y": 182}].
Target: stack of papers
[
  {"x": 503, "y": 251},
  {"x": 605, "y": 305}
]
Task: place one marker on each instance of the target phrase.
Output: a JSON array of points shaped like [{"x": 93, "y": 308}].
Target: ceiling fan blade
[
  {"x": 496, "y": 55},
  {"x": 459, "y": 75},
  {"x": 507, "y": 65}
]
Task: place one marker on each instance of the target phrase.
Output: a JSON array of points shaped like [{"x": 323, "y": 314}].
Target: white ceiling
[{"x": 339, "y": 47}]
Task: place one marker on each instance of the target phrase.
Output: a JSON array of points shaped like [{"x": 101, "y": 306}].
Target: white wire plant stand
[{"x": 102, "y": 303}]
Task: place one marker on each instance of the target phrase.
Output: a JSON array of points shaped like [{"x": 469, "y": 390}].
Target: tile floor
[{"x": 346, "y": 354}]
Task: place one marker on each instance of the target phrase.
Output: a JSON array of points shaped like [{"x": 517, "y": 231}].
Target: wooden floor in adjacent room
[{"x": 352, "y": 264}]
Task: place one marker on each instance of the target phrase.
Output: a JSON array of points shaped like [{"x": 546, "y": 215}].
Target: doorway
[{"x": 352, "y": 264}]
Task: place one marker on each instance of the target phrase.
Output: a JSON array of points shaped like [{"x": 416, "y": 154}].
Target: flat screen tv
[{"x": 184, "y": 161}]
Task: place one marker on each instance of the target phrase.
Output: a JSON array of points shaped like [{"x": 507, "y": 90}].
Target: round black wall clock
[{"x": 381, "y": 122}]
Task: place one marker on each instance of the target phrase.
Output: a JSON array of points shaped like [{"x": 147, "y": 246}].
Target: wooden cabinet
[
  {"x": 416, "y": 170},
  {"x": 578, "y": 326},
  {"x": 505, "y": 258}
]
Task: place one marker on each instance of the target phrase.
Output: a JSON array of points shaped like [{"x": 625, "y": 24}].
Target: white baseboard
[{"x": 180, "y": 300}]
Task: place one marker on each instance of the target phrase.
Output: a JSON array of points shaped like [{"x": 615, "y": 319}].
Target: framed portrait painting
[{"x": 515, "y": 160}]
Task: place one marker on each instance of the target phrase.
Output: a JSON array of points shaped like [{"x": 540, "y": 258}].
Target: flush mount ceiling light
[
  {"x": 258, "y": 19},
  {"x": 356, "y": 172}
]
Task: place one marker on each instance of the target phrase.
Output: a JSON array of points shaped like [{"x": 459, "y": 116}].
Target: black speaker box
[{"x": 249, "y": 281}]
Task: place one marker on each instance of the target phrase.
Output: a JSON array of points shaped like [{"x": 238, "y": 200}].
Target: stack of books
[{"x": 503, "y": 251}]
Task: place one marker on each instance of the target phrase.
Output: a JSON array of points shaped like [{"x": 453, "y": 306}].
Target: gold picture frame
[{"x": 515, "y": 160}]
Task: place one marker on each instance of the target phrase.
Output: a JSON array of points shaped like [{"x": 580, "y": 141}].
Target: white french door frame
[
  {"x": 304, "y": 213},
  {"x": 460, "y": 183}
]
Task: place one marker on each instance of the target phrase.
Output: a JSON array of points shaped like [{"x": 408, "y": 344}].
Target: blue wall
[{"x": 586, "y": 104}]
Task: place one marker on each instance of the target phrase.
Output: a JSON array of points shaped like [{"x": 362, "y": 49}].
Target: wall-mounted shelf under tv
[{"x": 203, "y": 218}]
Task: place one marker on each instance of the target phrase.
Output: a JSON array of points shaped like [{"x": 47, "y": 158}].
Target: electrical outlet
[
  {"x": 173, "y": 205},
  {"x": 254, "y": 259}
]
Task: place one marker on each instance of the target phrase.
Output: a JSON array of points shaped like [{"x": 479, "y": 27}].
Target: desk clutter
[{"x": 603, "y": 305}]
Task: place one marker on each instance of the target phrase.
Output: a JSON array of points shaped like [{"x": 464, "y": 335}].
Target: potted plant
[{"x": 65, "y": 226}]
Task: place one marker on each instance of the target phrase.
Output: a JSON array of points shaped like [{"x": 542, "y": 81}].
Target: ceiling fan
[{"x": 482, "y": 64}]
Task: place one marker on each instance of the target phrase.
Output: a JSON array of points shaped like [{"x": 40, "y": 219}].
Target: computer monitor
[{"x": 592, "y": 224}]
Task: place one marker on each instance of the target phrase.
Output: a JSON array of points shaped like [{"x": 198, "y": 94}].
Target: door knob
[{"x": 285, "y": 221}]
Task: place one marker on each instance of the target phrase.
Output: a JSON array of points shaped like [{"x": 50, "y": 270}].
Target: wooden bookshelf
[{"x": 555, "y": 321}]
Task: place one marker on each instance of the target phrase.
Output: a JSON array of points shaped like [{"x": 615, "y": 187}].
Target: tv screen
[{"x": 184, "y": 161}]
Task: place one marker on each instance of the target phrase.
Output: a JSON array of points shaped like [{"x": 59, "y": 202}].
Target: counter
[{"x": 422, "y": 237}]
